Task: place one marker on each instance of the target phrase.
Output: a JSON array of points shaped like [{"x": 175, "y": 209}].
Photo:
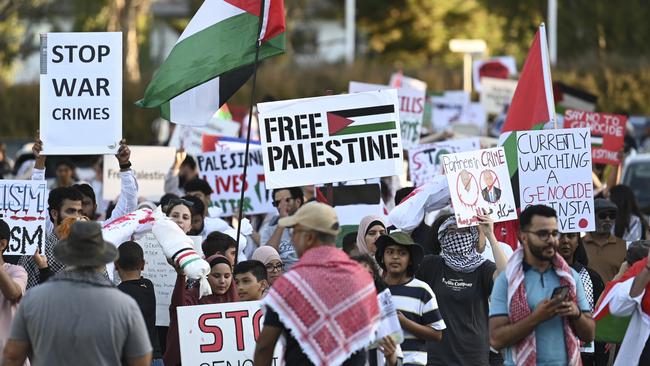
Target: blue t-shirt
[{"x": 549, "y": 335}]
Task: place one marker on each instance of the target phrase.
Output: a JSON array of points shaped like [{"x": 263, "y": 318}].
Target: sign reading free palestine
[{"x": 331, "y": 139}]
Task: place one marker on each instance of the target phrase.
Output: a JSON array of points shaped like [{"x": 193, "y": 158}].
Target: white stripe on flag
[
  {"x": 265, "y": 21},
  {"x": 546, "y": 69},
  {"x": 197, "y": 105},
  {"x": 210, "y": 13}
]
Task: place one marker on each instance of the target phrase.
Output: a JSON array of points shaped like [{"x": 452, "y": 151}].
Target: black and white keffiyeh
[{"x": 459, "y": 247}]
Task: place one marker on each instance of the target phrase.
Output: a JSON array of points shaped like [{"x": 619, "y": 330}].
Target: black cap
[{"x": 603, "y": 204}]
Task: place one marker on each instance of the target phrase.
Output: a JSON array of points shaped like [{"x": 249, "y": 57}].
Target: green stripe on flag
[
  {"x": 222, "y": 47},
  {"x": 371, "y": 127}
]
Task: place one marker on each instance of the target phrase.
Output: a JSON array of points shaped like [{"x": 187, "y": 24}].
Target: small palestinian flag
[
  {"x": 361, "y": 120},
  {"x": 596, "y": 141}
]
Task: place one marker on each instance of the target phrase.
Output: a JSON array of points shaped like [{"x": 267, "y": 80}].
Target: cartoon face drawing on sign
[
  {"x": 490, "y": 187},
  {"x": 467, "y": 188}
]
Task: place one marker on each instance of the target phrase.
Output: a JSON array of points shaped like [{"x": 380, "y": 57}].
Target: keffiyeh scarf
[
  {"x": 329, "y": 304},
  {"x": 459, "y": 247},
  {"x": 525, "y": 351}
]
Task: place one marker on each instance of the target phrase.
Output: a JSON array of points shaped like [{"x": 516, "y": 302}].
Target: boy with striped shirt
[{"x": 399, "y": 257}]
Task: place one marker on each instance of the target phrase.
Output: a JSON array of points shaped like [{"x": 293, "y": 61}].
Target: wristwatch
[{"x": 125, "y": 166}]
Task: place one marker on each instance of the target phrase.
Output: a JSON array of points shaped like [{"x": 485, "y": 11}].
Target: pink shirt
[{"x": 8, "y": 308}]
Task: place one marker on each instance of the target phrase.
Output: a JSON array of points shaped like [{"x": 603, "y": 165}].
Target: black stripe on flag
[
  {"x": 367, "y": 111},
  {"x": 232, "y": 81},
  {"x": 361, "y": 194}
]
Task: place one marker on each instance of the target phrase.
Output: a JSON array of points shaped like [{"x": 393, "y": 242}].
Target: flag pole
[{"x": 240, "y": 211}]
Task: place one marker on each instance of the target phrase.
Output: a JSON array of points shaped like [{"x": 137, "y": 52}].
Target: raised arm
[{"x": 128, "y": 199}]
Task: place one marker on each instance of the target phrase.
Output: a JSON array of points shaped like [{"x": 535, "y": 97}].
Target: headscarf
[
  {"x": 365, "y": 225},
  {"x": 266, "y": 254},
  {"x": 459, "y": 249}
]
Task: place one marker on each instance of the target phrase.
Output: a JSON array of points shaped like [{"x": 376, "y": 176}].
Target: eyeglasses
[
  {"x": 276, "y": 203},
  {"x": 544, "y": 235},
  {"x": 607, "y": 215},
  {"x": 275, "y": 268},
  {"x": 569, "y": 235}
]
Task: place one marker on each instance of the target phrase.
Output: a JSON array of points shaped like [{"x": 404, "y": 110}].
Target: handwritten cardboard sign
[
  {"x": 479, "y": 181},
  {"x": 555, "y": 170},
  {"x": 23, "y": 205},
  {"x": 607, "y": 133}
]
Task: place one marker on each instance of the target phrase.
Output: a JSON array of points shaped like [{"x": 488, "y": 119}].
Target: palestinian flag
[
  {"x": 532, "y": 106},
  {"x": 351, "y": 203},
  {"x": 612, "y": 328},
  {"x": 361, "y": 120},
  {"x": 214, "y": 57}
]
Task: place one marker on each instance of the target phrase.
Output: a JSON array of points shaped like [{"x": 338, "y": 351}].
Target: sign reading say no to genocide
[
  {"x": 331, "y": 139},
  {"x": 81, "y": 93}
]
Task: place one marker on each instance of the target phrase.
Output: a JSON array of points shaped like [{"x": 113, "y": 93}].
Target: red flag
[{"x": 533, "y": 102}]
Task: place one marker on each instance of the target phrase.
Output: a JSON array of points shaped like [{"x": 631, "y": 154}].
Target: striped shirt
[{"x": 417, "y": 302}]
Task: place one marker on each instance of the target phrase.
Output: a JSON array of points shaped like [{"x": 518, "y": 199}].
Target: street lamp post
[{"x": 468, "y": 47}]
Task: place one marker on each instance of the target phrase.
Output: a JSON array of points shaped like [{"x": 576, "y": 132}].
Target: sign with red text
[
  {"x": 555, "y": 170},
  {"x": 607, "y": 133},
  {"x": 479, "y": 182},
  {"x": 81, "y": 93},
  {"x": 330, "y": 139},
  {"x": 425, "y": 160},
  {"x": 221, "y": 334},
  {"x": 224, "y": 171},
  {"x": 411, "y": 108},
  {"x": 23, "y": 206}
]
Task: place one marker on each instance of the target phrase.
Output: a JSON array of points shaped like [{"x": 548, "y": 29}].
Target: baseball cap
[
  {"x": 4, "y": 230},
  {"x": 316, "y": 216},
  {"x": 603, "y": 204}
]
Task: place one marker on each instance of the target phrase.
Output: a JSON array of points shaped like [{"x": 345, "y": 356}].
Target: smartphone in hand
[{"x": 560, "y": 292}]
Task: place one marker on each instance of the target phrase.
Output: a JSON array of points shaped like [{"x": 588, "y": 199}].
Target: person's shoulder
[
  {"x": 15, "y": 270},
  {"x": 430, "y": 259}
]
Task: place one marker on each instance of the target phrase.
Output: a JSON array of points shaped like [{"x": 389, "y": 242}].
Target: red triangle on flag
[
  {"x": 530, "y": 104},
  {"x": 336, "y": 123},
  {"x": 249, "y": 6}
]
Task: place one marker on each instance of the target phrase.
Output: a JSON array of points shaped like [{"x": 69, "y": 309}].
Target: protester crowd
[{"x": 462, "y": 296}]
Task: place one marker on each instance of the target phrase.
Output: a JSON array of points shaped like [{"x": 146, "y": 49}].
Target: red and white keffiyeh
[
  {"x": 328, "y": 303},
  {"x": 525, "y": 351}
]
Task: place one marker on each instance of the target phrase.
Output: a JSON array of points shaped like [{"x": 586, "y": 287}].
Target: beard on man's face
[{"x": 543, "y": 252}]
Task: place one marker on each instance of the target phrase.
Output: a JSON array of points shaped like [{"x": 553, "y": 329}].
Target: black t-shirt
[
  {"x": 143, "y": 292},
  {"x": 293, "y": 354},
  {"x": 463, "y": 303}
]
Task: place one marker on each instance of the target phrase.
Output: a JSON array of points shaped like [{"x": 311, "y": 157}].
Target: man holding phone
[{"x": 538, "y": 308}]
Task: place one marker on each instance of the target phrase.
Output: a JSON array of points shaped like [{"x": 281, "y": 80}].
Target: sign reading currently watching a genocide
[
  {"x": 331, "y": 139},
  {"x": 81, "y": 93}
]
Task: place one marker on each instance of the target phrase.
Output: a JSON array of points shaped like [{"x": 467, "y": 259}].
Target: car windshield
[{"x": 637, "y": 177}]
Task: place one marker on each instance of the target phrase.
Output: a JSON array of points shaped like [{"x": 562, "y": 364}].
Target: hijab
[{"x": 365, "y": 225}]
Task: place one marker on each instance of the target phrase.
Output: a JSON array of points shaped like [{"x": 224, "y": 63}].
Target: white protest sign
[
  {"x": 424, "y": 160},
  {"x": 161, "y": 274},
  {"x": 150, "y": 164},
  {"x": 81, "y": 93},
  {"x": 496, "y": 67},
  {"x": 23, "y": 205},
  {"x": 190, "y": 138},
  {"x": 496, "y": 94},
  {"x": 398, "y": 80},
  {"x": 447, "y": 108},
  {"x": 221, "y": 334},
  {"x": 388, "y": 322},
  {"x": 331, "y": 139},
  {"x": 411, "y": 103},
  {"x": 479, "y": 180},
  {"x": 555, "y": 170},
  {"x": 224, "y": 171}
]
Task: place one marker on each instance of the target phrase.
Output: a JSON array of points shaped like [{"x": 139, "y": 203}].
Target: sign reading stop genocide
[
  {"x": 81, "y": 93},
  {"x": 607, "y": 133}
]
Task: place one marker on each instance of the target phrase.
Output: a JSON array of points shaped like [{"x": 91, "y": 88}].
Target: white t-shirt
[{"x": 487, "y": 253}]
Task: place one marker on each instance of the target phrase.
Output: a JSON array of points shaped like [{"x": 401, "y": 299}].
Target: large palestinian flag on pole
[{"x": 214, "y": 57}]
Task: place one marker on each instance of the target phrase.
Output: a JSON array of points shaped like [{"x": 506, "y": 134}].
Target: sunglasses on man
[{"x": 607, "y": 215}]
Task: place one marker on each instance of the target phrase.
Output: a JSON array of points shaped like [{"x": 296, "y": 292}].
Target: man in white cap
[
  {"x": 78, "y": 317},
  {"x": 327, "y": 300}
]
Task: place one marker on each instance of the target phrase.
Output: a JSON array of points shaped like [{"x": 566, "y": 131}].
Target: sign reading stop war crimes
[
  {"x": 425, "y": 160},
  {"x": 224, "y": 171},
  {"x": 411, "y": 112},
  {"x": 607, "y": 133},
  {"x": 555, "y": 170},
  {"x": 479, "y": 182},
  {"x": 81, "y": 93},
  {"x": 221, "y": 334},
  {"x": 331, "y": 139},
  {"x": 23, "y": 205}
]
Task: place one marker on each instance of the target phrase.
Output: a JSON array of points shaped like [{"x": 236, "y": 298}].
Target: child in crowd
[
  {"x": 251, "y": 280},
  {"x": 130, "y": 265},
  {"x": 399, "y": 257},
  {"x": 219, "y": 243}
]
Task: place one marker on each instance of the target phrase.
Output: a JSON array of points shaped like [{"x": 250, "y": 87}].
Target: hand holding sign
[
  {"x": 123, "y": 153},
  {"x": 36, "y": 150}
]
